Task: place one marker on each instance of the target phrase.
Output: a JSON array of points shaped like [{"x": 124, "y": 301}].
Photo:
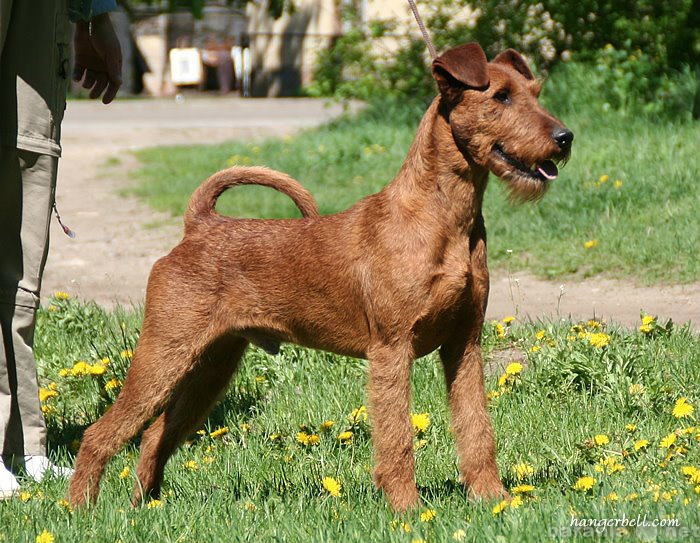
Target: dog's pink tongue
[{"x": 548, "y": 169}]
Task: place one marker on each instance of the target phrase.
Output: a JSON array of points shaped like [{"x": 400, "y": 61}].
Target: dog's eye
[{"x": 502, "y": 96}]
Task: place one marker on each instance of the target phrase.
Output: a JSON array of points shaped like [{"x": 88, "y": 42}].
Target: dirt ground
[{"x": 117, "y": 241}]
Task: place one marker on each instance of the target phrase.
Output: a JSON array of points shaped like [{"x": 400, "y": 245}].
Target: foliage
[
  {"x": 647, "y": 51},
  {"x": 590, "y": 420}
]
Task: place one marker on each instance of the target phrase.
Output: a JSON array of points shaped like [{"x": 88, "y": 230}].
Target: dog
[{"x": 401, "y": 273}]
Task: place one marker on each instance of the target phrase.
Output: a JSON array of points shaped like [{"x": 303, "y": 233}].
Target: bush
[{"x": 635, "y": 57}]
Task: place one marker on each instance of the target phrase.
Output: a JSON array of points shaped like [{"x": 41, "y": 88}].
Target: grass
[
  {"x": 630, "y": 190},
  {"x": 254, "y": 480}
]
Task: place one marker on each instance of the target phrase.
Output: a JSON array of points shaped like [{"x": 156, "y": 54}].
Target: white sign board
[{"x": 186, "y": 66}]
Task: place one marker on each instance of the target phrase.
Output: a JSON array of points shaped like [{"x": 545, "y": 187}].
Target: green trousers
[{"x": 34, "y": 72}]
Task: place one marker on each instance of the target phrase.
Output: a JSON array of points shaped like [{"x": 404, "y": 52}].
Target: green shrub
[{"x": 634, "y": 57}]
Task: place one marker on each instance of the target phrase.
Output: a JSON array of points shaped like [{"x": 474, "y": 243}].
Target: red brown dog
[{"x": 400, "y": 274}]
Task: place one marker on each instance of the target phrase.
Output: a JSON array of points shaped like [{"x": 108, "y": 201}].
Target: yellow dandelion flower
[
  {"x": 358, "y": 415},
  {"x": 191, "y": 465},
  {"x": 631, "y": 497},
  {"x": 682, "y": 408},
  {"x": 345, "y": 437},
  {"x": 154, "y": 504},
  {"x": 25, "y": 496},
  {"x": 332, "y": 486},
  {"x": 668, "y": 441},
  {"x": 631, "y": 428},
  {"x": 499, "y": 507},
  {"x": 601, "y": 439},
  {"x": 420, "y": 422},
  {"x": 617, "y": 184},
  {"x": 80, "y": 368},
  {"x": 64, "y": 372},
  {"x": 636, "y": 389},
  {"x": 523, "y": 470},
  {"x": 535, "y": 348},
  {"x": 514, "y": 368},
  {"x": 97, "y": 369},
  {"x": 276, "y": 437},
  {"x": 612, "y": 497},
  {"x": 590, "y": 244},
  {"x": 123, "y": 474},
  {"x": 500, "y": 331},
  {"x": 516, "y": 502},
  {"x": 540, "y": 335},
  {"x": 303, "y": 438},
  {"x": 599, "y": 340},
  {"x": 59, "y": 295},
  {"x": 245, "y": 427},
  {"x": 420, "y": 444},
  {"x": 428, "y": 515},
  {"x": 584, "y": 484},
  {"x": 508, "y": 320},
  {"x": 646, "y": 328},
  {"x": 603, "y": 179},
  {"x": 45, "y": 537},
  {"x": 493, "y": 394},
  {"x": 692, "y": 473},
  {"x": 522, "y": 489},
  {"x": 327, "y": 425},
  {"x": 502, "y": 380},
  {"x": 219, "y": 432},
  {"x": 127, "y": 354},
  {"x": 640, "y": 444},
  {"x": 314, "y": 440},
  {"x": 46, "y": 394},
  {"x": 112, "y": 384},
  {"x": 648, "y": 319},
  {"x": 405, "y": 526}
]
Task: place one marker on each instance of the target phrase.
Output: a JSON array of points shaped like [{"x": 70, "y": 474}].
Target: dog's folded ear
[
  {"x": 510, "y": 57},
  {"x": 463, "y": 66}
]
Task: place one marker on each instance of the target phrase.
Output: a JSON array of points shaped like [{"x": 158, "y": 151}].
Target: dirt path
[{"x": 114, "y": 250}]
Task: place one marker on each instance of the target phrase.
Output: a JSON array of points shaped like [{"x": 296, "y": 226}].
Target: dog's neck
[{"x": 437, "y": 176}]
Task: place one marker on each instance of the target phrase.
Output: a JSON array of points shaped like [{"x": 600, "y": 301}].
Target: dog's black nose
[{"x": 563, "y": 137}]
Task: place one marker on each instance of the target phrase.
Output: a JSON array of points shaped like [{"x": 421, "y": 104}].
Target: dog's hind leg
[
  {"x": 392, "y": 434},
  {"x": 146, "y": 390},
  {"x": 192, "y": 401}
]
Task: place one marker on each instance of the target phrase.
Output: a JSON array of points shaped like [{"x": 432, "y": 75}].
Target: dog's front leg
[
  {"x": 470, "y": 419},
  {"x": 392, "y": 434}
]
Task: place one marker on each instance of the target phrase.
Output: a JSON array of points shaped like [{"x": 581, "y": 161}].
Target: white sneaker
[
  {"x": 8, "y": 483},
  {"x": 38, "y": 466}
]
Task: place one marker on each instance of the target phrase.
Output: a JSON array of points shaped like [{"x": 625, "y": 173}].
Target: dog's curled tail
[{"x": 203, "y": 201}]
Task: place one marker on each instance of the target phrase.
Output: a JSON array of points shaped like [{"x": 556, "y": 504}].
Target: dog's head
[{"x": 496, "y": 119}]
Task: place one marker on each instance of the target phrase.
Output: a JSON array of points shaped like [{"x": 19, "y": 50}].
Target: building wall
[{"x": 283, "y": 50}]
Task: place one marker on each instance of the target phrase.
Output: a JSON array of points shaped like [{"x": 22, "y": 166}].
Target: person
[{"x": 34, "y": 77}]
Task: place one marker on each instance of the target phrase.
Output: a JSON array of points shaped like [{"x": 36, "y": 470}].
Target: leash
[
  {"x": 67, "y": 231},
  {"x": 426, "y": 36}
]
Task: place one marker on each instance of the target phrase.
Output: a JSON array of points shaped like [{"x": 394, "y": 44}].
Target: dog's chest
[{"x": 444, "y": 294}]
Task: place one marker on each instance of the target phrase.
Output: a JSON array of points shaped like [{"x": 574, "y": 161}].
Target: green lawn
[
  {"x": 631, "y": 189},
  {"x": 563, "y": 416}
]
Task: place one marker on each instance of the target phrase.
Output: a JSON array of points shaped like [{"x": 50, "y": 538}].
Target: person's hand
[{"x": 98, "y": 57}]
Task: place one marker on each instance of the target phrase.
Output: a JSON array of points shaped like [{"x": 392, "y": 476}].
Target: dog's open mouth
[{"x": 544, "y": 171}]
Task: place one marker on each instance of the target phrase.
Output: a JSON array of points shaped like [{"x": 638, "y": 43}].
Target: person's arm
[{"x": 98, "y": 56}]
